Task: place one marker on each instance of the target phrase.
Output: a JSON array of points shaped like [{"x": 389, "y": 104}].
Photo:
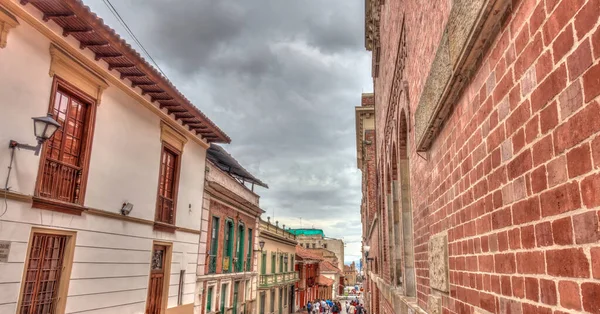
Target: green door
[
  {"x": 236, "y": 285},
  {"x": 227, "y": 257},
  {"x": 223, "y": 295},
  {"x": 262, "y": 303},
  {"x": 209, "y": 295},
  {"x": 280, "y": 300},
  {"x": 239, "y": 265},
  {"x": 263, "y": 264}
]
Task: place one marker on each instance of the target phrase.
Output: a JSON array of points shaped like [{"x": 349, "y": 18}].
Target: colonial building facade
[
  {"x": 107, "y": 218},
  {"x": 276, "y": 292},
  {"x": 227, "y": 270},
  {"x": 483, "y": 193},
  {"x": 307, "y": 266}
]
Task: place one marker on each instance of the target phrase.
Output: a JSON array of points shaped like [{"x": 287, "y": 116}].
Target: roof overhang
[
  {"x": 224, "y": 161},
  {"x": 78, "y": 21}
]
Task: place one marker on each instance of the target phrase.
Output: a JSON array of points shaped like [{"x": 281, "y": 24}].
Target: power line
[{"x": 116, "y": 14}]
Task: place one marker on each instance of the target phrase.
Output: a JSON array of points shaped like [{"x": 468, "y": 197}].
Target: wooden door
[
  {"x": 157, "y": 280},
  {"x": 43, "y": 274}
]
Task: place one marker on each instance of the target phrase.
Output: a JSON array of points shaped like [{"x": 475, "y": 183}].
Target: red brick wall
[
  {"x": 514, "y": 175},
  {"x": 223, "y": 212}
]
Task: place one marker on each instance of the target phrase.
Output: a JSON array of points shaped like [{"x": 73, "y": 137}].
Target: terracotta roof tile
[
  {"x": 324, "y": 281},
  {"x": 77, "y": 20},
  {"x": 305, "y": 254}
]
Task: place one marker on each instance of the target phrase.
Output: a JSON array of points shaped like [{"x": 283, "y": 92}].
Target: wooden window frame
[
  {"x": 158, "y": 225},
  {"x": 167, "y": 274},
  {"x": 65, "y": 275},
  {"x": 86, "y": 149}
]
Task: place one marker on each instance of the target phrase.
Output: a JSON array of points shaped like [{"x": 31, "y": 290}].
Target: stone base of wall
[{"x": 395, "y": 296}]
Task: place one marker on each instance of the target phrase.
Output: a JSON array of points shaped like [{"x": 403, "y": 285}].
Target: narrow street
[{"x": 315, "y": 156}]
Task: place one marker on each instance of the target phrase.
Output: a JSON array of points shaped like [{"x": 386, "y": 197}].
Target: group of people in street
[{"x": 331, "y": 307}]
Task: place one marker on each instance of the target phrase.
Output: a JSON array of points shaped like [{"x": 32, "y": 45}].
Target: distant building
[
  {"x": 277, "y": 271},
  {"x": 315, "y": 239},
  {"x": 331, "y": 271},
  {"x": 307, "y": 265},
  {"x": 350, "y": 274}
]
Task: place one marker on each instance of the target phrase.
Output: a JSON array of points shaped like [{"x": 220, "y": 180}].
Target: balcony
[
  {"x": 60, "y": 181},
  {"x": 270, "y": 280}
]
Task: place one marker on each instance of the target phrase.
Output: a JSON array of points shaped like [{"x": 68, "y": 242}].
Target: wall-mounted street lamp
[
  {"x": 367, "y": 248},
  {"x": 261, "y": 244},
  {"x": 43, "y": 129},
  {"x": 285, "y": 259}
]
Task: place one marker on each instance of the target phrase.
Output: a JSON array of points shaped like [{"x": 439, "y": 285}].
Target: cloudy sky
[{"x": 281, "y": 78}]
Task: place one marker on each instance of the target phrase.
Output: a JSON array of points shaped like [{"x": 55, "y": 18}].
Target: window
[
  {"x": 293, "y": 265},
  {"x": 281, "y": 262},
  {"x": 209, "y": 297},
  {"x": 239, "y": 254},
  {"x": 286, "y": 259},
  {"x": 47, "y": 270},
  {"x": 167, "y": 184},
  {"x": 273, "y": 263},
  {"x": 272, "y": 308},
  {"x": 250, "y": 248},
  {"x": 313, "y": 245},
  {"x": 263, "y": 264},
  {"x": 224, "y": 288},
  {"x": 64, "y": 162},
  {"x": 262, "y": 303},
  {"x": 228, "y": 249},
  {"x": 325, "y": 245},
  {"x": 214, "y": 246}
]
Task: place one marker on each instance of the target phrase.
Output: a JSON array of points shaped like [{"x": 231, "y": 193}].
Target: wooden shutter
[
  {"x": 43, "y": 272},
  {"x": 167, "y": 187},
  {"x": 62, "y": 167}
]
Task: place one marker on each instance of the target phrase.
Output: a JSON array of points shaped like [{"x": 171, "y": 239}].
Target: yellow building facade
[{"x": 277, "y": 273}]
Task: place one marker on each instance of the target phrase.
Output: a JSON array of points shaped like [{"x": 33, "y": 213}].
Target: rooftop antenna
[{"x": 300, "y": 222}]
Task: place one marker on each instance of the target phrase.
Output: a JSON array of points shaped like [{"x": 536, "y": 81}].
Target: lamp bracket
[{"x": 14, "y": 144}]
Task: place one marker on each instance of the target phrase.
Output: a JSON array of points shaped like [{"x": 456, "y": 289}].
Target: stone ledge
[
  {"x": 471, "y": 28},
  {"x": 394, "y": 295}
]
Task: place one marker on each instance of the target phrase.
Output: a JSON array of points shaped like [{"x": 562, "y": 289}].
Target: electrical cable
[{"x": 116, "y": 14}]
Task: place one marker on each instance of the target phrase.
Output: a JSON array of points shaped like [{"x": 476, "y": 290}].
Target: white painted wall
[{"x": 112, "y": 257}]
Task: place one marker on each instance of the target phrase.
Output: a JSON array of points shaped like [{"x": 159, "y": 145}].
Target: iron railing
[
  {"x": 212, "y": 264},
  {"x": 277, "y": 279}
]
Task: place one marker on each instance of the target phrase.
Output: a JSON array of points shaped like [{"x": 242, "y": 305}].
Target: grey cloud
[{"x": 281, "y": 77}]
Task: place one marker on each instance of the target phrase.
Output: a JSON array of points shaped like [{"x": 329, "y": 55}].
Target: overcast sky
[{"x": 281, "y": 78}]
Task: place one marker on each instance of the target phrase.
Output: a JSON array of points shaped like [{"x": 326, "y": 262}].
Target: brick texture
[{"x": 513, "y": 173}]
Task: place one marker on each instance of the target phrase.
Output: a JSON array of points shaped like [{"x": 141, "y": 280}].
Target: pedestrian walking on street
[
  {"x": 309, "y": 307},
  {"x": 336, "y": 308},
  {"x": 351, "y": 309}
]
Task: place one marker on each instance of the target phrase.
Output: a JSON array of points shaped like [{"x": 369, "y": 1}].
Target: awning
[{"x": 222, "y": 159}]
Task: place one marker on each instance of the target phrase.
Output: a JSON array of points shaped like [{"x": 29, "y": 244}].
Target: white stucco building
[{"x": 127, "y": 137}]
